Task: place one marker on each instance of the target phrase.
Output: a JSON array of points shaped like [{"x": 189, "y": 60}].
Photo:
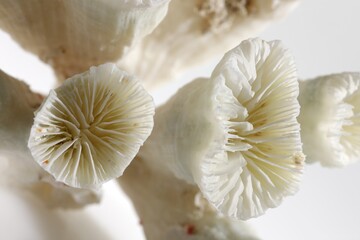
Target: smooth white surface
[{"x": 324, "y": 37}]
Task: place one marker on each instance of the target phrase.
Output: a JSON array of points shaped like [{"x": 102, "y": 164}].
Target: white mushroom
[
  {"x": 74, "y": 35},
  {"x": 18, "y": 170},
  {"x": 235, "y": 135},
  {"x": 88, "y": 130},
  {"x": 196, "y": 31},
  {"x": 330, "y": 119}
]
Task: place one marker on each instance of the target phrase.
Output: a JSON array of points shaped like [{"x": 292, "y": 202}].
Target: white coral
[
  {"x": 263, "y": 159},
  {"x": 236, "y": 135},
  {"x": 74, "y": 35},
  {"x": 18, "y": 169},
  {"x": 330, "y": 119},
  {"x": 88, "y": 130},
  {"x": 196, "y": 31}
]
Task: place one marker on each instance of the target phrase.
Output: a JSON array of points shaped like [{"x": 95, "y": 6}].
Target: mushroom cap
[
  {"x": 330, "y": 119},
  {"x": 88, "y": 130},
  {"x": 260, "y": 160}
]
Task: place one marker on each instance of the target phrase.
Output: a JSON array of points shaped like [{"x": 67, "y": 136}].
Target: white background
[{"x": 324, "y": 38}]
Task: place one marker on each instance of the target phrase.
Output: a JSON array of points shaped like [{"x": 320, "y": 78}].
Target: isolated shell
[
  {"x": 236, "y": 135},
  {"x": 74, "y": 35},
  {"x": 330, "y": 119},
  {"x": 88, "y": 130},
  {"x": 196, "y": 31}
]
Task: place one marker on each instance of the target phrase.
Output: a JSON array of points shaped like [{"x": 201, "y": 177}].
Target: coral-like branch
[
  {"x": 74, "y": 35},
  {"x": 170, "y": 208},
  {"x": 196, "y": 31}
]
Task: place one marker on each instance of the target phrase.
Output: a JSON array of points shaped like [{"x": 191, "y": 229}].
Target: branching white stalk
[
  {"x": 196, "y": 31},
  {"x": 169, "y": 208}
]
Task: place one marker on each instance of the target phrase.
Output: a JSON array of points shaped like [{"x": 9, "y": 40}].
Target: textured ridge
[
  {"x": 88, "y": 130},
  {"x": 262, "y": 158}
]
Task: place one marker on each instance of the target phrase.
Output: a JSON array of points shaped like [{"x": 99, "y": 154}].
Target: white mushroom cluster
[
  {"x": 330, "y": 119},
  {"x": 235, "y": 135},
  {"x": 88, "y": 130}
]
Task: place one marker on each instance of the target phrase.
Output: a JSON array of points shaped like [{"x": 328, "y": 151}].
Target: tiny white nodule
[{"x": 88, "y": 130}]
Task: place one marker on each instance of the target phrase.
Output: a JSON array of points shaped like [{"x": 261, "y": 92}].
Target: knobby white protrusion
[
  {"x": 330, "y": 119},
  {"x": 196, "y": 31},
  {"x": 88, "y": 130},
  {"x": 235, "y": 135},
  {"x": 74, "y": 35},
  {"x": 18, "y": 170}
]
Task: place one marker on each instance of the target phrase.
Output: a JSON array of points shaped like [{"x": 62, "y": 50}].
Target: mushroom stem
[{"x": 169, "y": 208}]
